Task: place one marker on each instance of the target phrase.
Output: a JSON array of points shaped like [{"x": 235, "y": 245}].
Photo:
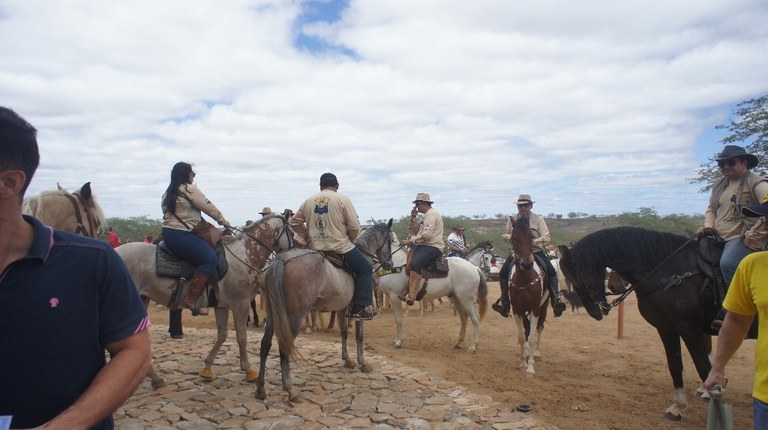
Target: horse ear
[
  {"x": 389, "y": 224},
  {"x": 85, "y": 191},
  {"x": 565, "y": 252},
  {"x": 59, "y": 187}
]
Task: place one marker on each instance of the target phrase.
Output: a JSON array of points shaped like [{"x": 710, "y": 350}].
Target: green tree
[{"x": 748, "y": 128}]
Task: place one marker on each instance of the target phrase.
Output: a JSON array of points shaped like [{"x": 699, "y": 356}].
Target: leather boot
[
  {"x": 502, "y": 305},
  {"x": 557, "y": 306},
  {"x": 193, "y": 301},
  {"x": 413, "y": 287}
]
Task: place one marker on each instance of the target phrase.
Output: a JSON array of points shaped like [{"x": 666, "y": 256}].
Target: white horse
[
  {"x": 481, "y": 255},
  {"x": 247, "y": 253},
  {"x": 77, "y": 212},
  {"x": 465, "y": 284}
]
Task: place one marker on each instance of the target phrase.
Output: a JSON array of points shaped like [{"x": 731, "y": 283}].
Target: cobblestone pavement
[{"x": 392, "y": 396}]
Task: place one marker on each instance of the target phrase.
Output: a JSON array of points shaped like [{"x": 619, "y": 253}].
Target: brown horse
[
  {"x": 527, "y": 294},
  {"x": 301, "y": 279},
  {"x": 76, "y": 212}
]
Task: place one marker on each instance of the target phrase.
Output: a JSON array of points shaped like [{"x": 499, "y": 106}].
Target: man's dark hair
[{"x": 18, "y": 145}]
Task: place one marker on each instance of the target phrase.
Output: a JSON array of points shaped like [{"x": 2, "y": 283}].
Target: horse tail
[
  {"x": 482, "y": 294},
  {"x": 276, "y": 307}
]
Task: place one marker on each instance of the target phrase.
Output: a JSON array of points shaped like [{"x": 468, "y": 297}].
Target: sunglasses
[{"x": 729, "y": 162}]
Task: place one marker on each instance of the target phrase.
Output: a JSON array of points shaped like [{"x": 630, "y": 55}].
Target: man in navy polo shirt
[{"x": 64, "y": 300}]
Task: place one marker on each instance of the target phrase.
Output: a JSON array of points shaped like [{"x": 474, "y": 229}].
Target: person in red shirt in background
[
  {"x": 149, "y": 239},
  {"x": 113, "y": 238}
]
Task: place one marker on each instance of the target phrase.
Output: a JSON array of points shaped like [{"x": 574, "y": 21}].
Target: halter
[
  {"x": 284, "y": 230},
  {"x": 386, "y": 265},
  {"x": 608, "y": 306},
  {"x": 93, "y": 225}
]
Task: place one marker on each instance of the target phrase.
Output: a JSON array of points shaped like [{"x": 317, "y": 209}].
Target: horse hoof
[
  {"x": 396, "y": 345},
  {"x": 349, "y": 364},
  {"x": 473, "y": 350},
  {"x": 457, "y": 347},
  {"x": 158, "y": 384},
  {"x": 366, "y": 368},
  {"x": 251, "y": 375},
  {"x": 206, "y": 373},
  {"x": 261, "y": 393},
  {"x": 295, "y": 398},
  {"x": 672, "y": 417}
]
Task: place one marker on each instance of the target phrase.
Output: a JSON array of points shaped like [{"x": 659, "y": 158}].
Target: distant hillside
[{"x": 565, "y": 231}]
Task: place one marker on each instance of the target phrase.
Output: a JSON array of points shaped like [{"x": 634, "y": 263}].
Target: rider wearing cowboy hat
[
  {"x": 736, "y": 189},
  {"x": 540, "y": 234},
  {"x": 427, "y": 243}
]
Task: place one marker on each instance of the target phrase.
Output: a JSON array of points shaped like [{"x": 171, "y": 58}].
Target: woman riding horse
[{"x": 182, "y": 204}]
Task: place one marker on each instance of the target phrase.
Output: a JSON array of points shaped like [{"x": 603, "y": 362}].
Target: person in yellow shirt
[{"x": 747, "y": 296}]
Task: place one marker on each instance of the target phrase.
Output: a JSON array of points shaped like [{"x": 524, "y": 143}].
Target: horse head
[
  {"x": 588, "y": 283},
  {"x": 268, "y": 236},
  {"x": 376, "y": 243},
  {"x": 522, "y": 243}
]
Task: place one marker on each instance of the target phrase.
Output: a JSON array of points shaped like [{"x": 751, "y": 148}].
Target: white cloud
[{"x": 592, "y": 107}]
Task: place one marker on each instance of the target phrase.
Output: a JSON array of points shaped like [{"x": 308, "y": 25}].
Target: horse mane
[
  {"x": 367, "y": 237},
  {"x": 626, "y": 248},
  {"x": 480, "y": 245}
]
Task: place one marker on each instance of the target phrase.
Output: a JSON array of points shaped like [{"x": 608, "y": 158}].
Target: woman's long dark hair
[{"x": 179, "y": 175}]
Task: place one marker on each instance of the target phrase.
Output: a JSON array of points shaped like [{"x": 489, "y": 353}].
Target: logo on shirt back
[
  {"x": 54, "y": 302},
  {"x": 321, "y": 205}
]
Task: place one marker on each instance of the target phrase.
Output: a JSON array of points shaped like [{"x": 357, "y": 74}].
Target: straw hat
[
  {"x": 423, "y": 197},
  {"x": 524, "y": 199},
  {"x": 266, "y": 211}
]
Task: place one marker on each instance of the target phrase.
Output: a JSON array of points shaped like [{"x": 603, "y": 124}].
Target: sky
[{"x": 594, "y": 107}]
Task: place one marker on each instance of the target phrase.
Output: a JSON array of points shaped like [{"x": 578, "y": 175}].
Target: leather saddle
[
  {"x": 437, "y": 268},
  {"x": 169, "y": 265}
]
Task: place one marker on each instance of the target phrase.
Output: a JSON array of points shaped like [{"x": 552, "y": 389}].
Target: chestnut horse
[
  {"x": 302, "y": 279},
  {"x": 76, "y": 212},
  {"x": 527, "y": 294}
]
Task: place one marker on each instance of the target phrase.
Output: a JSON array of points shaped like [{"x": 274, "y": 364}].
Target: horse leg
[
  {"x": 364, "y": 366},
  {"x": 472, "y": 312},
  {"x": 332, "y": 322},
  {"x": 266, "y": 345},
  {"x": 255, "y": 314},
  {"x": 222, "y": 321},
  {"x": 285, "y": 367},
  {"x": 531, "y": 343},
  {"x": 698, "y": 348},
  {"x": 463, "y": 317},
  {"x": 344, "y": 327},
  {"x": 671, "y": 343},
  {"x": 397, "y": 311},
  {"x": 240, "y": 318},
  {"x": 157, "y": 380},
  {"x": 521, "y": 338}
]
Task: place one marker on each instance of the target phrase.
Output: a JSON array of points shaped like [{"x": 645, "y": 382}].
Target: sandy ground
[{"x": 586, "y": 379}]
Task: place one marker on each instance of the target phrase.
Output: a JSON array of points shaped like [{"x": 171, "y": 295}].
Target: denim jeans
[
  {"x": 190, "y": 247},
  {"x": 760, "y": 414},
  {"x": 733, "y": 252},
  {"x": 363, "y": 295}
]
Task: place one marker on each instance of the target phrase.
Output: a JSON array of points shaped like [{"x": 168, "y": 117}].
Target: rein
[
  {"x": 626, "y": 293},
  {"x": 284, "y": 230},
  {"x": 81, "y": 229}
]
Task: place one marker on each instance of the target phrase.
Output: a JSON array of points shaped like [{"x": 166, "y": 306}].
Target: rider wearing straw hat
[
  {"x": 266, "y": 211},
  {"x": 540, "y": 234},
  {"x": 427, "y": 243}
]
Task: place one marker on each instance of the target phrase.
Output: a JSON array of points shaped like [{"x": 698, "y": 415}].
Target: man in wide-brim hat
[
  {"x": 736, "y": 189},
  {"x": 266, "y": 211},
  {"x": 540, "y": 236},
  {"x": 427, "y": 243}
]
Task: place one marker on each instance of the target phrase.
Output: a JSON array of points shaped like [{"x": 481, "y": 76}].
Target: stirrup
[{"x": 198, "y": 309}]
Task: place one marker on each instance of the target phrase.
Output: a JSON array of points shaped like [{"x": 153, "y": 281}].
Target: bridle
[
  {"x": 284, "y": 230},
  {"x": 380, "y": 264},
  {"x": 93, "y": 224}
]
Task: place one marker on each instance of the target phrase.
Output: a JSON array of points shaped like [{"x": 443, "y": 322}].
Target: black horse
[{"x": 671, "y": 295}]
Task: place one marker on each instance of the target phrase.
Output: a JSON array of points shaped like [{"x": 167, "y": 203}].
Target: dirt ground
[{"x": 586, "y": 379}]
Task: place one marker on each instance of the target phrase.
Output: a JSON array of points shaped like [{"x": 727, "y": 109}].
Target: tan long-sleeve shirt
[{"x": 327, "y": 221}]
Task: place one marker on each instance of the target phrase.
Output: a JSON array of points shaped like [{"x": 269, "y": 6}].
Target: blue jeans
[
  {"x": 190, "y": 247},
  {"x": 733, "y": 252},
  {"x": 363, "y": 295},
  {"x": 760, "y": 414}
]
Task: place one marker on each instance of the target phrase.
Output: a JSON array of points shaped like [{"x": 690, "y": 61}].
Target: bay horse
[
  {"x": 77, "y": 212},
  {"x": 527, "y": 295},
  {"x": 662, "y": 269},
  {"x": 247, "y": 253},
  {"x": 464, "y": 285},
  {"x": 301, "y": 279}
]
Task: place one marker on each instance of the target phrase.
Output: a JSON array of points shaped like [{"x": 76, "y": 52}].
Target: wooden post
[{"x": 621, "y": 321}]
